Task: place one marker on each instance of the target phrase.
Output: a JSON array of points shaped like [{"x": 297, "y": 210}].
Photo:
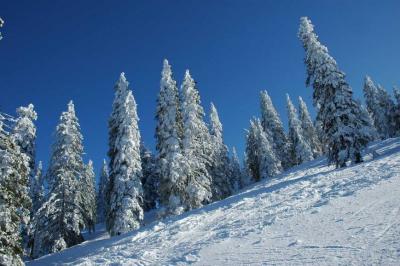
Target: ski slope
[{"x": 313, "y": 214}]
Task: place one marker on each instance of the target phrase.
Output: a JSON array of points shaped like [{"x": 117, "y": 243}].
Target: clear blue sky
[{"x": 54, "y": 51}]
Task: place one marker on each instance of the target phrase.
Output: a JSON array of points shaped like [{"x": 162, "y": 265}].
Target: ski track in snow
[{"x": 312, "y": 214}]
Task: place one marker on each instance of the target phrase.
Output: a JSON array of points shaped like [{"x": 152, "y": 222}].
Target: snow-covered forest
[{"x": 44, "y": 211}]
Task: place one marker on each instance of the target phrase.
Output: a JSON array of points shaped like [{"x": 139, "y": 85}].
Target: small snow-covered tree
[
  {"x": 301, "y": 149},
  {"x": 125, "y": 192},
  {"x": 150, "y": 179},
  {"x": 196, "y": 146},
  {"x": 57, "y": 224},
  {"x": 24, "y": 133},
  {"x": 37, "y": 192},
  {"x": 380, "y": 106},
  {"x": 170, "y": 162},
  {"x": 222, "y": 185},
  {"x": 261, "y": 160},
  {"x": 251, "y": 154},
  {"x": 236, "y": 171},
  {"x": 387, "y": 106},
  {"x": 87, "y": 190},
  {"x": 1, "y": 25},
  {"x": 14, "y": 198},
  {"x": 101, "y": 193},
  {"x": 309, "y": 132},
  {"x": 274, "y": 130},
  {"x": 346, "y": 133},
  {"x": 396, "y": 111}
]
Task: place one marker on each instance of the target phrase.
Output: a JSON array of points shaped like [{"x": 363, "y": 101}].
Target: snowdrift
[{"x": 313, "y": 213}]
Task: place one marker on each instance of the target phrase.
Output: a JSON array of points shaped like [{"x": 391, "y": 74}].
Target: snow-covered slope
[{"x": 311, "y": 214}]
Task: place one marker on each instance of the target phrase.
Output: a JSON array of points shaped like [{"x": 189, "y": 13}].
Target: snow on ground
[{"x": 313, "y": 214}]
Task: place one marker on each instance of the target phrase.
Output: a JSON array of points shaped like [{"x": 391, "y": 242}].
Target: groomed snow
[{"x": 311, "y": 214}]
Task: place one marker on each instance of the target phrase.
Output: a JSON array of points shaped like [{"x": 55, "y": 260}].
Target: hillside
[{"x": 311, "y": 214}]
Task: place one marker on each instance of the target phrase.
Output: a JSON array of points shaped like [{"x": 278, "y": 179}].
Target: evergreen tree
[
  {"x": 150, "y": 179},
  {"x": 346, "y": 133},
  {"x": 124, "y": 193},
  {"x": 309, "y": 132},
  {"x": 37, "y": 189},
  {"x": 387, "y": 106},
  {"x": 396, "y": 112},
  {"x": 274, "y": 130},
  {"x": 57, "y": 224},
  {"x": 88, "y": 196},
  {"x": 379, "y": 106},
  {"x": 236, "y": 172},
  {"x": 261, "y": 160},
  {"x": 301, "y": 149},
  {"x": 24, "y": 133},
  {"x": 196, "y": 146},
  {"x": 101, "y": 193},
  {"x": 170, "y": 162},
  {"x": 14, "y": 198},
  {"x": 220, "y": 169}
]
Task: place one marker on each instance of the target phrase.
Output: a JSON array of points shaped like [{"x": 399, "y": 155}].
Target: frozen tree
[
  {"x": 170, "y": 162},
  {"x": 37, "y": 189},
  {"x": 101, "y": 193},
  {"x": 261, "y": 160},
  {"x": 150, "y": 179},
  {"x": 396, "y": 92},
  {"x": 24, "y": 133},
  {"x": 57, "y": 224},
  {"x": 222, "y": 185},
  {"x": 274, "y": 130},
  {"x": 14, "y": 198},
  {"x": 236, "y": 172},
  {"x": 301, "y": 150},
  {"x": 251, "y": 154},
  {"x": 309, "y": 132},
  {"x": 396, "y": 111},
  {"x": 346, "y": 133},
  {"x": 125, "y": 193},
  {"x": 196, "y": 146},
  {"x": 379, "y": 105},
  {"x": 87, "y": 190},
  {"x": 387, "y": 106},
  {"x": 1, "y": 25}
]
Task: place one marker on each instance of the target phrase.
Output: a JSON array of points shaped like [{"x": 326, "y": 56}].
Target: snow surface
[{"x": 310, "y": 214}]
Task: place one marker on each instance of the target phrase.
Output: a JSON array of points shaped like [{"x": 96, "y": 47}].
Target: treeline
[{"x": 45, "y": 212}]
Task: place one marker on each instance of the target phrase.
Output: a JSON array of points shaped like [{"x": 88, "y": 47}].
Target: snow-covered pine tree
[
  {"x": 222, "y": 183},
  {"x": 387, "y": 106},
  {"x": 87, "y": 190},
  {"x": 236, "y": 171},
  {"x": 309, "y": 132},
  {"x": 345, "y": 132},
  {"x": 270, "y": 165},
  {"x": 37, "y": 192},
  {"x": 196, "y": 146},
  {"x": 14, "y": 198},
  {"x": 396, "y": 93},
  {"x": 396, "y": 111},
  {"x": 261, "y": 160},
  {"x": 274, "y": 130},
  {"x": 1, "y": 25},
  {"x": 300, "y": 149},
  {"x": 24, "y": 133},
  {"x": 101, "y": 193},
  {"x": 380, "y": 106},
  {"x": 150, "y": 179},
  {"x": 170, "y": 162},
  {"x": 124, "y": 193},
  {"x": 57, "y": 224},
  {"x": 252, "y": 161}
]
